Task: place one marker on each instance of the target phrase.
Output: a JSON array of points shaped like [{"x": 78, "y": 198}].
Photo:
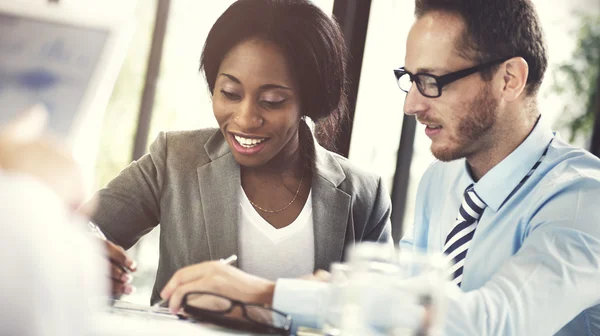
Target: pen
[
  {"x": 227, "y": 261},
  {"x": 96, "y": 230}
]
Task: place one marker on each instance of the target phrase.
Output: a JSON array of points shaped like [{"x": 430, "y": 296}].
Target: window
[{"x": 379, "y": 108}]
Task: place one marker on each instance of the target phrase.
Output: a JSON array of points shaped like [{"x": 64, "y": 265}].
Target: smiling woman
[
  {"x": 256, "y": 104},
  {"x": 261, "y": 185},
  {"x": 258, "y": 110}
]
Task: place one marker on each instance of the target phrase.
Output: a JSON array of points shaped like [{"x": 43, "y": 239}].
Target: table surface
[{"x": 144, "y": 322}]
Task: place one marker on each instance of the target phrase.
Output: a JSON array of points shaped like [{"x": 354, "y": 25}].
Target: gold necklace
[{"x": 285, "y": 207}]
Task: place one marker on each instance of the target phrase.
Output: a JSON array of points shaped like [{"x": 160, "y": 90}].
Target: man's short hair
[{"x": 497, "y": 29}]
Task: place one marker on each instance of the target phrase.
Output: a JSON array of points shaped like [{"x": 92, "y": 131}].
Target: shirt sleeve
[
  {"x": 551, "y": 279},
  {"x": 302, "y": 299}
]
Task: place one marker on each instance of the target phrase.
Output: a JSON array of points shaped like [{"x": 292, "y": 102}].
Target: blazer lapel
[
  {"x": 219, "y": 183},
  {"x": 331, "y": 208},
  {"x": 330, "y": 214}
]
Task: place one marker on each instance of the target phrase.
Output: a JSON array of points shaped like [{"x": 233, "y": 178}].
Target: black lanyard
[{"x": 531, "y": 171}]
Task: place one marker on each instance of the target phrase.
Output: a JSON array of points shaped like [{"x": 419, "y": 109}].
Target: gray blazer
[{"x": 189, "y": 183}]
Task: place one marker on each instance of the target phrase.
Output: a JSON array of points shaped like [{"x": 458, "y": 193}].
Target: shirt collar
[{"x": 495, "y": 186}]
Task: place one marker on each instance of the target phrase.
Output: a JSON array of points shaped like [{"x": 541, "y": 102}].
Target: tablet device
[{"x": 64, "y": 59}]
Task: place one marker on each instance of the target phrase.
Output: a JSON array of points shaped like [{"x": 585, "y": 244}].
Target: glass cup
[
  {"x": 334, "y": 304},
  {"x": 419, "y": 294},
  {"x": 392, "y": 293}
]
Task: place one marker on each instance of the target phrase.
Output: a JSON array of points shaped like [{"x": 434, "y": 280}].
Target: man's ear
[{"x": 515, "y": 72}]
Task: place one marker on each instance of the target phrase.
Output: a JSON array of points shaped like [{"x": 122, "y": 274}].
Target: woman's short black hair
[{"x": 311, "y": 41}]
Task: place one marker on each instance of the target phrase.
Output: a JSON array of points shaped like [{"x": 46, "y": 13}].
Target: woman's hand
[
  {"x": 219, "y": 278},
  {"x": 120, "y": 266}
]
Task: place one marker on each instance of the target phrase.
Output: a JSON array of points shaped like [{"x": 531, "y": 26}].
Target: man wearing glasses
[{"x": 513, "y": 207}]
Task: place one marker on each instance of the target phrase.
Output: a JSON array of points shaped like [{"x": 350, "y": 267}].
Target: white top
[{"x": 273, "y": 253}]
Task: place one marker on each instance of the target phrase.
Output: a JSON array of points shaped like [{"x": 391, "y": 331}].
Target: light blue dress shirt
[{"x": 533, "y": 267}]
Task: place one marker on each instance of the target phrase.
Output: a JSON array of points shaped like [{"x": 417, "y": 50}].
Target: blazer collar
[
  {"x": 331, "y": 208},
  {"x": 216, "y": 146},
  {"x": 327, "y": 166},
  {"x": 219, "y": 182}
]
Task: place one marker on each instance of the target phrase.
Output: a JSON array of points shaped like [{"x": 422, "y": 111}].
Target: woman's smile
[{"x": 247, "y": 145}]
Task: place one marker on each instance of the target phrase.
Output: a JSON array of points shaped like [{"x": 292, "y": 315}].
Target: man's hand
[
  {"x": 24, "y": 148},
  {"x": 216, "y": 277}
]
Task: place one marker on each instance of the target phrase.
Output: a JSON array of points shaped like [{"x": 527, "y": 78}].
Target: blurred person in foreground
[
  {"x": 260, "y": 186},
  {"x": 513, "y": 206},
  {"x": 46, "y": 289}
]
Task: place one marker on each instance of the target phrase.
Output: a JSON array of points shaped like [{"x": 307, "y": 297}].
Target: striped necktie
[{"x": 459, "y": 239}]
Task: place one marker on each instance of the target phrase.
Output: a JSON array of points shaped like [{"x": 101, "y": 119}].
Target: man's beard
[{"x": 472, "y": 127}]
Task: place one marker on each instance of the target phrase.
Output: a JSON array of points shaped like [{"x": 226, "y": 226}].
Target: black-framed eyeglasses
[
  {"x": 220, "y": 310},
  {"x": 431, "y": 85}
]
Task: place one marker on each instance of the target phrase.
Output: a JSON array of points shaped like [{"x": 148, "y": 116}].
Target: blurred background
[{"x": 160, "y": 88}]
